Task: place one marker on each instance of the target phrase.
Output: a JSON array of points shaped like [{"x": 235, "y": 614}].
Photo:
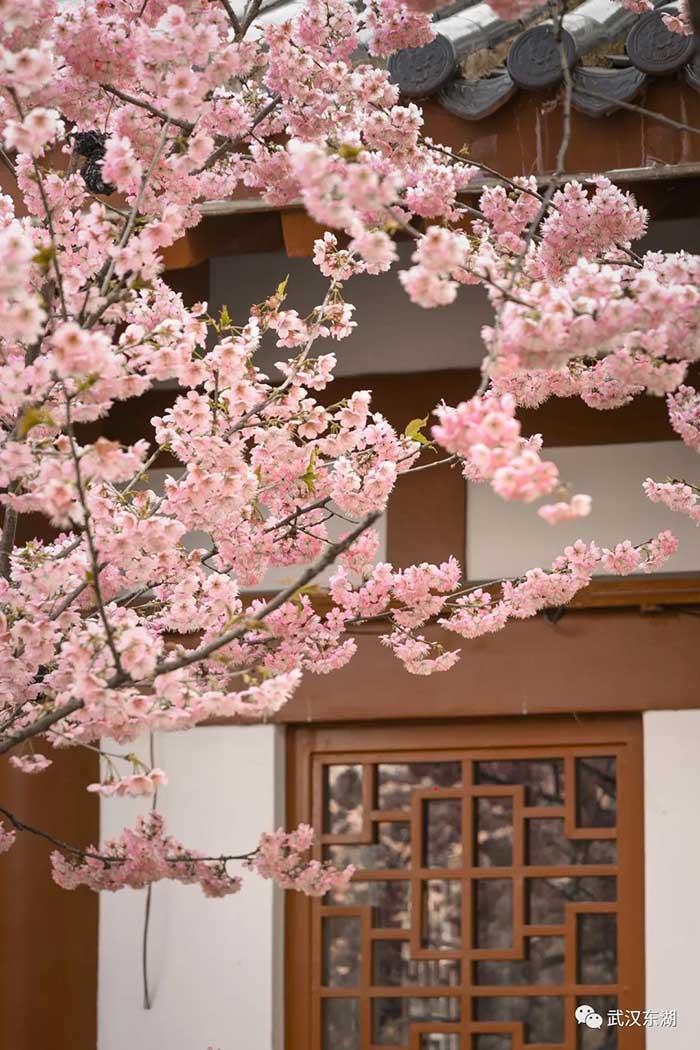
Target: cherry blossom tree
[{"x": 117, "y": 121}]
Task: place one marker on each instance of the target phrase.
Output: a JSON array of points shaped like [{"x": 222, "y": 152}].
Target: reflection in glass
[
  {"x": 597, "y": 948},
  {"x": 440, "y": 1041},
  {"x": 396, "y": 781},
  {"x": 548, "y": 845},
  {"x": 543, "y": 1016},
  {"x": 493, "y": 913},
  {"x": 596, "y": 792},
  {"x": 391, "y": 1017},
  {"x": 543, "y": 778},
  {"x": 393, "y": 966},
  {"x": 342, "y": 813},
  {"x": 442, "y": 913},
  {"x": 546, "y": 898},
  {"x": 389, "y": 900},
  {"x": 341, "y": 952},
  {"x": 391, "y": 848},
  {"x": 543, "y": 964},
  {"x": 493, "y": 823},
  {"x": 492, "y": 1041},
  {"x": 340, "y": 1024},
  {"x": 442, "y": 824},
  {"x": 604, "y": 1038}
]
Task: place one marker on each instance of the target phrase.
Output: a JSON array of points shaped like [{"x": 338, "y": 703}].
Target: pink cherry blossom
[
  {"x": 7, "y": 838},
  {"x": 34, "y": 763},
  {"x": 579, "y": 506}
]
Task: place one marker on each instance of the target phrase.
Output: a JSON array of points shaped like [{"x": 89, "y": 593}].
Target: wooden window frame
[{"x": 621, "y": 735}]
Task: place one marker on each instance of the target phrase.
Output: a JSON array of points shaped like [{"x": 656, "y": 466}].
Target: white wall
[
  {"x": 215, "y": 965},
  {"x": 672, "y": 848},
  {"x": 392, "y": 334},
  {"x": 506, "y": 539}
]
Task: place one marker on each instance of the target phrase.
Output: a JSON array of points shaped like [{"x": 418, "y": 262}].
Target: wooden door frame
[{"x": 621, "y": 731}]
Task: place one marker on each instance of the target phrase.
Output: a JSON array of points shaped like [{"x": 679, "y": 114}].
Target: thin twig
[
  {"x": 669, "y": 121},
  {"x": 142, "y": 103}
]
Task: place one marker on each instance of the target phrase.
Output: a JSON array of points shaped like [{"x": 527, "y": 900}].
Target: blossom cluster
[
  {"x": 485, "y": 434},
  {"x": 282, "y": 856},
  {"x": 146, "y": 854}
]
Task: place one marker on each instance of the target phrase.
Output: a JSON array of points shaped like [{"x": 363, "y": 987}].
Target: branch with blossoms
[
  {"x": 117, "y": 127},
  {"x": 144, "y": 855}
]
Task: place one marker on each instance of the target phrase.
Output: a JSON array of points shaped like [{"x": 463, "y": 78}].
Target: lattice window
[{"x": 488, "y": 900}]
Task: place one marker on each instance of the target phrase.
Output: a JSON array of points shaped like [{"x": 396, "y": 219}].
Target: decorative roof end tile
[
  {"x": 476, "y": 99},
  {"x": 421, "y": 71},
  {"x": 615, "y": 85}
]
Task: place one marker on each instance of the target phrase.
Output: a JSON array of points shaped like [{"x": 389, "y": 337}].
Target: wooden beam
[
  {"x": 48, "y": 936},
  {"x": 590, "y": 661},
  {"x": 299, "y": 231},
  {"x": 231, "y": 234}
]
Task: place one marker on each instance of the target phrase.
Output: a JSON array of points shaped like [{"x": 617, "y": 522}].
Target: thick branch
[{"x": 9, "y": 531}]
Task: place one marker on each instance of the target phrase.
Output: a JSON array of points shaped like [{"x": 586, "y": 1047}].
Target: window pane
[
  {"x": 547, "y": 845},
  {"x": 389, "y": 900},
  {"x": 342, "y": 794},
  {"x": 543, "y": 964},
  {"x": 393, "y": 965},
  {"x": 596, "y": 792},
  {"x": 543, "y": 1017},
  {"x": 493, "y": 821},
  {"x": 597, "y": 949},
  {"x": 543, "y": 778},
  {"x": 441, "y": 1041},
  {"x": 341, "y": 952},
  {"x": 391, "y": 848},
  {"x": 442, "y": 913},
  {"x": 546, "y": 898},
  {"x": 341, "y": 1024},
  {"x": 395, "y": 782},
  {"x": 442, "y": 823},
  {"x": 493, "y": 913},
  {"x": 492, "y": 1041},
  {"x": 391, "y": 1017}
]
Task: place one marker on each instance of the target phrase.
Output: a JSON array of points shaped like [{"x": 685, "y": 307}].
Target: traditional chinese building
[{"x": 524, "y": 826}]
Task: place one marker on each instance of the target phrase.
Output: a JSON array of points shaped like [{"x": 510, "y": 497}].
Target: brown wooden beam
[
  {"x": 590, "y": 661},
  {"x": 48, "y": 936},
  {"x": 235, "y": 234}
]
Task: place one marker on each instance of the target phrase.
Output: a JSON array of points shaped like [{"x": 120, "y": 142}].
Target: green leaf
[
  {"x": 282, "y": 288},
  {"x": 44, "y": 257},
  {"x": 413, "y": 430},
  {"x": 309, "y": 476},
  {"x": 34, "y": 417}
]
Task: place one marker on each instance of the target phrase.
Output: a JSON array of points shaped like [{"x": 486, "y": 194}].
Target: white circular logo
[{"x": 586, "y": 1015}]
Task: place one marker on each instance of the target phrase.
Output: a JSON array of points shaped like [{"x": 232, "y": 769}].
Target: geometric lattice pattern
[{"x": 485, "y": 905}]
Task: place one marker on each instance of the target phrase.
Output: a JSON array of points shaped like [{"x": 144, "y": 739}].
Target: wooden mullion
[
  {"x": 415, "y": 861},
  {"x": 546, "y": 991},
  {"x": 389, "y": 934},
  {"x": 563, "y": 871},
  {"x": 386, "y": 816},
  {"x": 468, "y": 924},
  {"x": 365, "y": 977}
]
